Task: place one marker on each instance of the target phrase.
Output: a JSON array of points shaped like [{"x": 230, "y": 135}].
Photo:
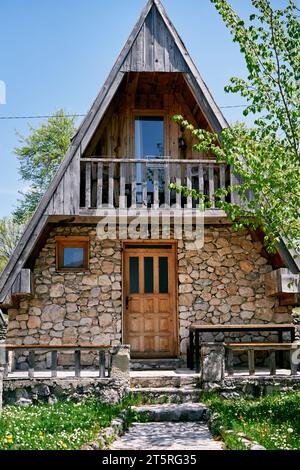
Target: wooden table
[{"x": 196, "y": 329}]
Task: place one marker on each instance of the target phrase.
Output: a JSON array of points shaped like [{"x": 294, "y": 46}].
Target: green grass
[
  {"x": 64, "y": 425},
  {"x": 272, "y": 421}
]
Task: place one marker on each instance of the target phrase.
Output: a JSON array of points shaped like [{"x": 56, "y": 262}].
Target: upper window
[
  {"x": 149, "y": 136},
  {"x": 72, "y": 253}
]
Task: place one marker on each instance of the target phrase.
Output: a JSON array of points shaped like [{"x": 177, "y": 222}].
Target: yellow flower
[
  {"x": 242, "y": 419},
  {"x": 41, "y": 435},
  {"x": 9, "y": 438}
]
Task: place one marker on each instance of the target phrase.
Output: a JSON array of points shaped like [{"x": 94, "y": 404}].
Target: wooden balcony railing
[
  {"x": 144, "y": 183},
  {"x": 35, "y": 350}
]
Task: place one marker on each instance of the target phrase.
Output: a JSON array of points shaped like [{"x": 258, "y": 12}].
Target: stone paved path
[{"x": 167, "y": 436}]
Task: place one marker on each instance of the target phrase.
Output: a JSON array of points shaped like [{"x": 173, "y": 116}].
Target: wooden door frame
[{"x": 174, "y": 244}]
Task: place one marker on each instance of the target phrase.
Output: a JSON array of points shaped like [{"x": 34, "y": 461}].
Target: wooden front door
[{"x": 150, "y": 313}]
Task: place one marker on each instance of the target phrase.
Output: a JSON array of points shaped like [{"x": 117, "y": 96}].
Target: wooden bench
[{"x": 252, "y": 347}]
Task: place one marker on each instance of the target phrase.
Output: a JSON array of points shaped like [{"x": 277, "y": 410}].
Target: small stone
[
  {"x": 72, "y": 297},
  {"x": 41, "y": 289},
  {"x": 185, "y": 288},
  {"x": 248, "y": 306},
  {"x": 71, "y": 308},
  {"x": 116, "y": 295},
  {"x": 34, "y": 322},
  {"x": 90, "y": 280},
  {"x": 105, "y": 320},
  {"x": 235, "y": 300},
  {"x": 107, "y": 267},
  {"x": 246, "y": 292},
  {"x": 185, "y": 279},
  {"x": 104, "y": 280},
  {"x": 57, "y": 290},
  {"x": 35, "y": 311},
  {"x": 246, "y": 266},
  {"x": 246, "y": 315},
  {"x": 53, "y": 313}
]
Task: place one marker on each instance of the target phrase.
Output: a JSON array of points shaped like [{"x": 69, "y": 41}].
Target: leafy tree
[
  {"x": 264, "y": 158},
  {"x": 10, "y": 232},
  {"x": 39, "y": 155}
]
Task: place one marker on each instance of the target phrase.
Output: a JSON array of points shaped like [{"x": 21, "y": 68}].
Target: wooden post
[
  {"x": 155, "y": 187},
  {"x": 88, "y": 192},
  {"x": 190, "y": 357},
  {"x": 99, "y": 184},
  {"x": 211, "y": 190},
  {"x": 102, "y": 364},
  {"x": 280, "y": 353},
  {"x": 145, "y": 184},
  {"x": 167, "y": 181},
  {"x": 77, "y": 362},
  {"x": 251, "y": 361},
  {"x": 197, "y": 352},
  {"x": 178, "y": 184},
  {"x": 272, "y": 363},
  {"x": 222, "y": 178},
  {"x": 133, "y": 184},
  {"x": 53, "y": 363},
  {"x": 111, "y": 170},
  {"x": 200, "y": 179},
  {"x": 189, "y": 199},
  {"x": 31, "y": 363},
  {"x": 230, "y": 370}
]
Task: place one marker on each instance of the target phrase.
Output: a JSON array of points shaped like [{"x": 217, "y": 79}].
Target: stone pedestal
[
  {"x": 1, "y": 385},
  {"x": 120, "y": 365},
  {"x": 212, "y": 364}
]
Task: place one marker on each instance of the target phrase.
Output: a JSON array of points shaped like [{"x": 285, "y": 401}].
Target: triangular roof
[
  {"x": 153, "y": 45},
  {"x": 153, "y": 20}
]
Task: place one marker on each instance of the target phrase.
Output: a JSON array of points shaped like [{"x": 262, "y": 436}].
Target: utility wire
[{"x": 83, "y": 115}]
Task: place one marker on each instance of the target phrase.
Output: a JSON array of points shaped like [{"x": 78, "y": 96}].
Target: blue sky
[{"x": 57, "y": 53}]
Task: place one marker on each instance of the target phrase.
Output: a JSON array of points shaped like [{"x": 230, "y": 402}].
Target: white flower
[{"x": 290, "y": 430}]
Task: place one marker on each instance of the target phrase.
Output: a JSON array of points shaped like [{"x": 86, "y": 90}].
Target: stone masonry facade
[{"x": 220, "y": 283}]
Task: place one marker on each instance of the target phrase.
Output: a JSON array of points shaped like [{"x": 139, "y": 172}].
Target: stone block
[
  {"x": 120, "y": 364},
  {"x": 212, "y": 362}
]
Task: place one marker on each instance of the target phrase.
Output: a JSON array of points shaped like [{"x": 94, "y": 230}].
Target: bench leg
[
  {"x": 272, "y": 363},
  {"x": 251, "y": 362}
]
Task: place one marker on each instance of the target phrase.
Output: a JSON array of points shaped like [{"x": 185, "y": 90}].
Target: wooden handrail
[
  {"x": 53, "y": 346},
  {"x": 152, "y": 161}
]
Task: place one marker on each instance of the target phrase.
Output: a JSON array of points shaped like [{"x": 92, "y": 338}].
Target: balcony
[{"x": 144, "y": 183}]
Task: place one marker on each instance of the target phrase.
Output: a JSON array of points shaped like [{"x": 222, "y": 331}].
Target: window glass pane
[
  {"x": 148, "y": 275},
  {"x": 134, "y": 274},
  {"x": 163, "y": 275},
  {"x": 149, "y": 136},
  {"x": 73, "y": 258}
]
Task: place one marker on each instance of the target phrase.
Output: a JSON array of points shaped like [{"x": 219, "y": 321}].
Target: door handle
[{"x": 126, "y": 302}]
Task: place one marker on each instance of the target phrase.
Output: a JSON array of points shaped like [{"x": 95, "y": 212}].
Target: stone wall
[
  {"x": 219, "y": 283},
  {"x": 223, "y": 283},
  {"x": 72, "y": 307}
]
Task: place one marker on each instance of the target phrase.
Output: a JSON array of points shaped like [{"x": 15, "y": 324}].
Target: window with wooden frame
[{"x": 72, "y": 253}]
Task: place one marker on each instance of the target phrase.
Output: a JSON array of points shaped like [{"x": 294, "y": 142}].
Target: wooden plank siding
[{"x": 154, "y": 49}]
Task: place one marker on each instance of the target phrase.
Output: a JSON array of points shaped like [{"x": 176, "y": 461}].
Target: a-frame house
[{"x": 90, "y": 268}]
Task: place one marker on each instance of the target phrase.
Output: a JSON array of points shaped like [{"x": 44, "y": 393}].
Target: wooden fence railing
[
  {"x": 104, "y": 357},
  {"x": 250, "y": 348},
  {"x": 124, "y": 183}
]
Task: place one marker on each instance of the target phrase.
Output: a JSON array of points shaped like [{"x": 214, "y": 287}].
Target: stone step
[
  {"x": 173, "y": 412},
  {"x": 166, "y": 395},
  {"x": 155, "y": 364},
  {"x": 162, "y": 381}
]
